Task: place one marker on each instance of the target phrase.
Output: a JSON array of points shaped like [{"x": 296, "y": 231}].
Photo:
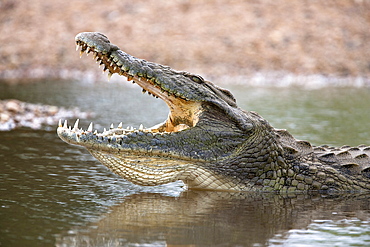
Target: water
[{"x": 55, "y": 194}]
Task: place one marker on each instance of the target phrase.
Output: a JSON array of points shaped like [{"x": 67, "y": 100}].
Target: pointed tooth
[
  {"x": 120, "y": 125},
  {"x": 65, "y": 124},
  {"x": 105, "y": 130},
  {"x": 81, "y": 52},
  {"x": 131, "y": 128},
  {"x": 90, "y": 127},
  {"x": 77, "y": 46},
  {"x": 109, "y": 75},
  {"x": 129, "y": 77},
  {"x": 112, "y": 126},
  {"x": 141, "y": 127},
  {"x": 111, "y": 64},
  {"x": 76, "y": 124},
  {"x": 60, "y": 123},
  {"x": 95, "y": 55},
  {"x": 88, "y": 50},
  {"x": 95, "y": 132}
]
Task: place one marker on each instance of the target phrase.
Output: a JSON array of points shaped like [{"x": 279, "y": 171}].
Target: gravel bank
[{"x": 212, "y": 38}]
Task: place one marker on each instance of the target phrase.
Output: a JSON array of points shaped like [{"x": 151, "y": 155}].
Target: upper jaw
[
  {"x": 161, "y": 81},
  {"x": 184, "y": 113}
]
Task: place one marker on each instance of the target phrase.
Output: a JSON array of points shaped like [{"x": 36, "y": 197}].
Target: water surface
[{"x": 55, "y": 194}]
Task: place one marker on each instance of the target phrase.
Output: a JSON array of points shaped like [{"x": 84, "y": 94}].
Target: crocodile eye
[{"x": 197, "y": 79}]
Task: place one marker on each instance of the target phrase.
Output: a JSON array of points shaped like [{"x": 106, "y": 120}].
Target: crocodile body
[{"x": 207, "y": 141}]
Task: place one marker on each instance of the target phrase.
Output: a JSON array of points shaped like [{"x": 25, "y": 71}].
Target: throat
[
  {"x": 183, "y": 115},
  {"x": 144, "y": 169}
]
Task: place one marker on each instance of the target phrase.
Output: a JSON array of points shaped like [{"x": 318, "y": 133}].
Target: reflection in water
[
  {"x": 54, "y": 193},
  {"x": 226, "y": 219},
  {"x": 343, "y": 232}
]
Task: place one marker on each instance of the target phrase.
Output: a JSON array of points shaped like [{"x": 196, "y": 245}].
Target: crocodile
[{"x": 207, "y": 141}]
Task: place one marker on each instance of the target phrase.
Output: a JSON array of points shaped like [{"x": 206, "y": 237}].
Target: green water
[{"x": 54, "y": 194}]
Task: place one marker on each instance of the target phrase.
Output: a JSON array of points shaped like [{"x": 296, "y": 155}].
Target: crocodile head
[{"x": 204, "y": 132}]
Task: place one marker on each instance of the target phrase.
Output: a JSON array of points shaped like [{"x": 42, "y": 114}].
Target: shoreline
[
  {"x": 274, "y": 79},
  {"x": 214, "y": 39}
]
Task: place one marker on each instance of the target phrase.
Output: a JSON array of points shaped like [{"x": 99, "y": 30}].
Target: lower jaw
[{"x": 143, "y": 170}]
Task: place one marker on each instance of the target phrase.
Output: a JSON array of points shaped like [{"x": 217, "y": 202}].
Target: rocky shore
[
  {"x": 212, "y": 38},
  {"x": 16, "y": 114}
]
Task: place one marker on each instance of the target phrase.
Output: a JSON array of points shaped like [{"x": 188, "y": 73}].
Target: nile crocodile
[{"x": 207, "y": 141}]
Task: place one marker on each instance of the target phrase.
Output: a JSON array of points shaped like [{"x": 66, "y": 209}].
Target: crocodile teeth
[
  {"x": 90, "y": 127},
  {"x": 75, "y": 127},
  {"x": 81, "y": 52},
  {"x": 109, "y": 75},
  {"x": 77, "y": 46},
  {"x": 112, "y": 131}
]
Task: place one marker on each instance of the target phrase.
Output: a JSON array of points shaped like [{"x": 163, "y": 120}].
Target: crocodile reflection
[{"x": 212, "y": 218}]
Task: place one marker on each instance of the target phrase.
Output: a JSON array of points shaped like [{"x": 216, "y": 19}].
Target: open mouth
[
  {"x": 196, "y": 132},
  {"x": 184, "y": 113}
]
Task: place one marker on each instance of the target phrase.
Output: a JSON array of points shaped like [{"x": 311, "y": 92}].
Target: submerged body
[{"x": 207, "y": 141}]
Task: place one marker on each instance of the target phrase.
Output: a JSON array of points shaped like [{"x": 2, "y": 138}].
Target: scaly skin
[{"x": 207, "y": 141}]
